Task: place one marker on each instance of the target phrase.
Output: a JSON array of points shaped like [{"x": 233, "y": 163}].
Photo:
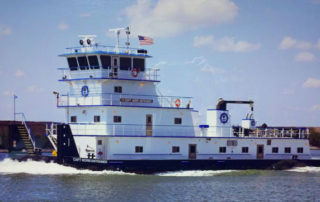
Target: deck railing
[
  {"x": 108, "y": 49},
  {"x": 102, "y": 99},
  {"x": 150, "y": 74}
]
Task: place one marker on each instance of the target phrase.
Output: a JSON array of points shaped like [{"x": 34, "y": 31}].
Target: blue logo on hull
[
  {"x": 224, "y": 118},
  {"x": 85, "y": 91}
]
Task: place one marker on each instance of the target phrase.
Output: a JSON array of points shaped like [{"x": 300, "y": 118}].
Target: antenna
[
  {"x": 128, "y": 35},
  {"x": 117, "y": 32}
]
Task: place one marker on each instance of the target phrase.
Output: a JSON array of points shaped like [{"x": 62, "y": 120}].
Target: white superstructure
[{"x": 116, "y": 113}]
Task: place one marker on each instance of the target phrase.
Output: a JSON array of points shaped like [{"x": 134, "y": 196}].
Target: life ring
[
  {"x": 177, "y": 102},
  {"x": 134, "y": 72}
]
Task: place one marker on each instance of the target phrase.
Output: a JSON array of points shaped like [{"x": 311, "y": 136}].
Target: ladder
[
  {"x": 26, "y": 134},
  {"x": 51, "y": 133}
]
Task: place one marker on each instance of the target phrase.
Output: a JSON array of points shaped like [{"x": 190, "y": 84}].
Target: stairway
[{"x": 23, "y": 132}]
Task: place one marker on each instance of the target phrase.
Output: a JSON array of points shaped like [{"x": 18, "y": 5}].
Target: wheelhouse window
[
  {"x": 83, "y": 63},
  {"x": 139, "y": 64},
  {"x": 72, "y": 62},
  {"x": 117, "y": 119},
  {"x": 222, "y": 149},
  {"x": 93, "y": 61},
  {"x": 125, "y": 63},
  {"x": 96, "y": 119},
  {"x": 118, "y": 89},
  {"x": 175, "y": 149},
  {"x": 275, "y": 150},
  {"x": 73, "y": 119},
  {"x": 177, "y": 120},
  {"x": 139, "y": 149},
  {"x": 287, "y": 150},
  {"x": 105, "y": 61},
  {"x": 245, "y": 149},
  {"x": 300, "y": 150}
]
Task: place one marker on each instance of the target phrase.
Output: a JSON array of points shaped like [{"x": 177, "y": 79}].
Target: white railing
[
  {"x": 124, "y": 100},
  {"x": 150, "y": 74},
  {"x": 51, "y": 133},
  {"x": 299, "y": 133},
  {"x": 109, "y": 49}
]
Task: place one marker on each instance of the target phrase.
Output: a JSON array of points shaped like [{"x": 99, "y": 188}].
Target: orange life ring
[
  {"x": 177, "y": 102},
  {"x": 134, "y": 72}
]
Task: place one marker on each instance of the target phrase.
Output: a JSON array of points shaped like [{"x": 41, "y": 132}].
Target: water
[{"x": 41, "y": 181}]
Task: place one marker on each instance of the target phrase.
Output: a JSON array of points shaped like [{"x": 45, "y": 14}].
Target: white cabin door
[
  {"x": 115, "y": 66},
  {"x": 149, "y": 124}
]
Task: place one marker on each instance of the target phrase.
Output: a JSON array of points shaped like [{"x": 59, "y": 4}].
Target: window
[
  {"x": 177, "y": 120},
  {"x": 300, "y": 150},
  {"x": 73, "y": 65},
  {"x": 125, "y": 63},
  {"x": 232, "y": 143},
  {"x": 175, "y": 149},
  {"x": 117, "y": 119},
  {"x": 99, "y": 142},
  {"x": 105, "y": 61},
  {"x": 139, "y": 149},
  {"x": 275, "y": 150},
  {"x": 96, "y": 119},
  {"x": 73, "y": 119},
  {"x": 93, "y": 61},
  {"x": 118, "y": 89},
  {"x": 139, "y": 64},
  {"x": 83, "y": 62},
  {"x": 222, "y": 149},
  {"x": 245, "y": 149},
  {"x": 287, "y": 150},
  {"x": 268, "y": 142}
]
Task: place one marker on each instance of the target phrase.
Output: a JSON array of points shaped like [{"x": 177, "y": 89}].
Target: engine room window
[
  {"x": 287, "y": 150},
  {"x": 222, "y": 149},
  {"x": 96, "y": 119},
  {"x": 93, "y": 61},
  {"x": 175, "y": 149},
  {"x": 232, "y": 143},
  {"x": 177, "y": 120},
  {"x": 125, "y": 63},
  {"x": 105, "y": 61},
  {"x": 300, "y": 150},
  {"x": 83, "y": 62},
  {"x": 118, "y": 89},
  {"x": 275, "y": 150},
  {"x": 139, "y": 149},
  {"x": 139, "y": 64},
  {"x": 99, "y": 142},
  {"x": 117, "y": 119},
  {"x": 73, "y": 119},
  {"x": 73, "y": 65},
  {"x": 245, "y": 149}
]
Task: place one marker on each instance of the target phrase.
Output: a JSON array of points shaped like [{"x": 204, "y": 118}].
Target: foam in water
[
  {"x": 8, "y": 166},
  {"x": 307, "y": 169},
  {"x": 195, "y": 173}
]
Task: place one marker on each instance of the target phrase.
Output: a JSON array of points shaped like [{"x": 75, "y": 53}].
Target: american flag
[{"x": 145, "y": 40}]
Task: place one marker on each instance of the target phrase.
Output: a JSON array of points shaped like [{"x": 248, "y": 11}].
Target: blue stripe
[
  {"x": 254, "y": 138},
  {"x": 109, "y": 79},
  {"x": 105, "y": 52},
  {"x": 126, "y": 106},
  {"x": 217, "y": 110}
]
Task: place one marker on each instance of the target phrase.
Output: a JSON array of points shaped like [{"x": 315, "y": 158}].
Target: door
[
  {"x": 260, "y": 151},
  {"x": 192, "y": 151},
  {"x": 115, "y": 66},
  {"x": 149, "y": 124}
]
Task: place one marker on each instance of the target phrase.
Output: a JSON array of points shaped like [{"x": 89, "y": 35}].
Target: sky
[{"x": 267, "y": 51}]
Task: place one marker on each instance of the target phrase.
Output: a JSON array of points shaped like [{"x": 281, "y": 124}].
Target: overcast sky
[{"x": 267, "y": 51}]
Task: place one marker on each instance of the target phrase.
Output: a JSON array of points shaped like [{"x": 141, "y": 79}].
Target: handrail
[
  {"x": 30, "y": 134},
  {"x": 50, "y": 131}
]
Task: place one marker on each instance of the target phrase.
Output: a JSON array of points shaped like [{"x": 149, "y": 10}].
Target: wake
[
  {"x": 8, "y": 166},
  {"x": 307, "y": 169},
  {"x": 195, "y": 173}
]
